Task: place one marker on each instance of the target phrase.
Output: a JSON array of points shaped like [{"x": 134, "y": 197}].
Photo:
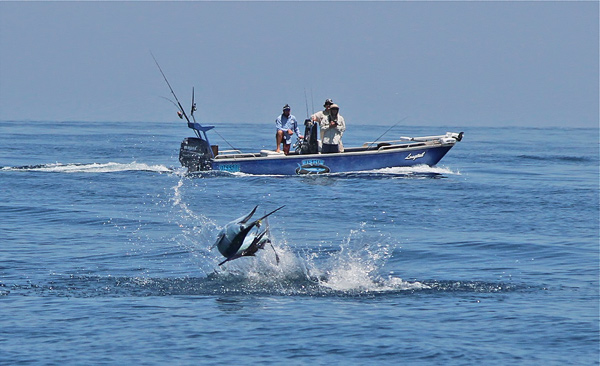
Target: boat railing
[
  {"x": 235, "y": 154},
  {"x": 224, "y": 152},
  {"x": 396, "y": 146},
  {"x": 394, "y": 143},
  {"x": 448, "y": 137}
]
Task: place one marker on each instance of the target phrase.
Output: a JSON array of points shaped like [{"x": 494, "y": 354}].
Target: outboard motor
[
  {"x": 195, "y": 154},
  {"x": 309, "y": 144}
]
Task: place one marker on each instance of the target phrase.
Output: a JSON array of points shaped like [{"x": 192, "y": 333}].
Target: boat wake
[
  {"x": 91, "y": 168},
  {"x": 419, "y": 171}
]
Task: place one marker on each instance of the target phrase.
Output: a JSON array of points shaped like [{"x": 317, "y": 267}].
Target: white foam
[
  {"x": 409, "y": 170},
  {"x": 94, "y": 168},
  {"x": 416, "y": 169},
  {"x": 355, "y": 268}
]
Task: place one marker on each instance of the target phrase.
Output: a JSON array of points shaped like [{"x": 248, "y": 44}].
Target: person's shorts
[
  {"x": 330, "y": 148},
  {"x": 287, "y": 139}
]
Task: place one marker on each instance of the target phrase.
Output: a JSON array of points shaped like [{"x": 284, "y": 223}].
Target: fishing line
[{"x": 230, "y": 145}]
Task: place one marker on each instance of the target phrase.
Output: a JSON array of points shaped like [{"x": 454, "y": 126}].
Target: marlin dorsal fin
[{"x": 243, "y": 220}]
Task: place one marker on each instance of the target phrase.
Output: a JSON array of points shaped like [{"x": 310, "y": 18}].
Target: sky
[{"x": 434, "y": 63}]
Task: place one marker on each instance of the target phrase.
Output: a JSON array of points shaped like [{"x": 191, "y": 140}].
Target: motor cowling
[{"x": 195, "y": 154}]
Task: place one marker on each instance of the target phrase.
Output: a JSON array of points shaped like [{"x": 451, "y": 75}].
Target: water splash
[
  {"x": 197, "y": 230},
  {"x": 357, "y": 266},
  {"x": 354, "y": 267}
]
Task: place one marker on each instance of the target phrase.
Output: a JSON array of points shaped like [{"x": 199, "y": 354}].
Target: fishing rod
[
  {"x": 312, "y": 101},
  {"x": 306, "y": 102},
  {"x": 388, "y": 130},
  {"x": 181, "y": 110}
]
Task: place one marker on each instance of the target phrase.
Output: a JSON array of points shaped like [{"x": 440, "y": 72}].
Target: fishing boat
[{"x": 197, "y": 154}]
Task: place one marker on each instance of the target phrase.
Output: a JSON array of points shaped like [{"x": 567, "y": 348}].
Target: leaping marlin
[{"x": 236, "y": 240}]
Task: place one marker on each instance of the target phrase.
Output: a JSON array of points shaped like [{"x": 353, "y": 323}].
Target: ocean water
[{"x": 491, "y": 258}]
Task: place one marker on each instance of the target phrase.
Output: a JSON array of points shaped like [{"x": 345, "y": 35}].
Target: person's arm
[
  {"x": 297, "y": 129},
  {"x": 341, "y": 124},
  {"x": 316, "y": 117}
]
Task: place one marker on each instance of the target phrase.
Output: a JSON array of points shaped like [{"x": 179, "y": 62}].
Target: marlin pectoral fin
[
  {"x": 276, "y": 256},
  {"x": 268, "y": 234}
]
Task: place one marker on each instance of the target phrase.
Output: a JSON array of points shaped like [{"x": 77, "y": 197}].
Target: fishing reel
[{"x": 297, "y": 146}]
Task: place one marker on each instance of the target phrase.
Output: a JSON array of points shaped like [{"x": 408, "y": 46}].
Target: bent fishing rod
[
  {"x": 181, "y": 110},
  {"x": 388, "y": 130}
]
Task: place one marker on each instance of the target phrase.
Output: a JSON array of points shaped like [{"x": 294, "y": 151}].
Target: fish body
[{"x": 237, "y": 239}]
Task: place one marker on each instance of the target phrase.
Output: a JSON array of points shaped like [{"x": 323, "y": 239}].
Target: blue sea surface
[{"x": 489, "y": 258}]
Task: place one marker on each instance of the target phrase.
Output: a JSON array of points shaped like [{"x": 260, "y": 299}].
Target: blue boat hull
[{"x": 333, "y": 163}]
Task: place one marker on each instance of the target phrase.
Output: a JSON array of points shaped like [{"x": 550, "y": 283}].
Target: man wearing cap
[
  {"x": 332, "y": 127},
  {"x": 286, "y": 125}
]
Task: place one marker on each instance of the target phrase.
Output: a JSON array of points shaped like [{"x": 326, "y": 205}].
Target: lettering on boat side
[
  {"x": 313, "y": 161},
  {"x": 414, "y": 157},
  {"x": 232, "y": 168},
  {"x": 312, "y": 166}
]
